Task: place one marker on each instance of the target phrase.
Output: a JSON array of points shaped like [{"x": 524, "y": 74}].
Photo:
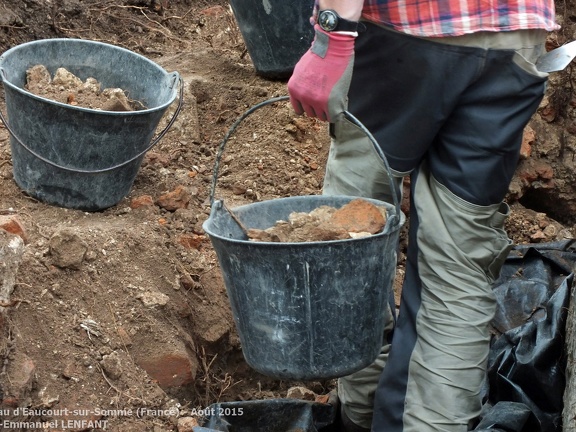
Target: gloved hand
[{"x": 321, "y": 78}]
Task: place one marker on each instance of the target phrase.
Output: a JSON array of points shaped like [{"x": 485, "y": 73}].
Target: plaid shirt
[
  {"x": 429, "y": 18},
  {"x": 458, "y": 17}
]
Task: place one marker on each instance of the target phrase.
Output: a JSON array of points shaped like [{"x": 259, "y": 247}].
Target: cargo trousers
[{"x": 450, "y": 113}]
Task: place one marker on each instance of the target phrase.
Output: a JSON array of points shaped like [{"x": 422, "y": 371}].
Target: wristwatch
[{"x": 330, "y": 21}]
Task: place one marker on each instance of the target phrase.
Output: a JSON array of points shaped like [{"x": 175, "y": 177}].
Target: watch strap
[{"x": 330, "y": 21}]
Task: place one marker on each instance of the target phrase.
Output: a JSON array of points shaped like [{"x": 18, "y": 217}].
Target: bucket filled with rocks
[
  {"x": 308, "y": 278},
  {"x": 81, "y": 116}
]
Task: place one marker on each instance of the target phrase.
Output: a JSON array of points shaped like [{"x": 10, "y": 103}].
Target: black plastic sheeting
[
  {"x": 525, "y": 380},
  {"x": 526, "y": 374}
]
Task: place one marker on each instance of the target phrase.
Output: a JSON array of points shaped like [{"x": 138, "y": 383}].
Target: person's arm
[{"x": 320, "y": 81}]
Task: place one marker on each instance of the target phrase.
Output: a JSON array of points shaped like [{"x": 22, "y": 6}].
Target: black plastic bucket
[
  {"x": 77, "y": 157},
  {"x": 276, "y": 33},
  {"x": 305, "y": 310},
  {"x": 309, "y": 310}
]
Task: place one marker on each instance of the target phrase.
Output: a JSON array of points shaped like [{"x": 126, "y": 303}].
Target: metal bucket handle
[
  {"x": 175, "y": 78},
  {"x": 348, "y": 115}
]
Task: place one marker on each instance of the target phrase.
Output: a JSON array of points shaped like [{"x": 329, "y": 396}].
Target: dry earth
[{"x": 125, "y": 309}]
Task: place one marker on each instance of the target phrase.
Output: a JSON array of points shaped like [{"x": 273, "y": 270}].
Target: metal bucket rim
[
  {"x": 391, "y": 226},
  {"x": 15, "y": 49}
]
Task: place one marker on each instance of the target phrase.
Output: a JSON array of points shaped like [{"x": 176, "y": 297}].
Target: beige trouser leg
[{"x": 461, "y": 247}]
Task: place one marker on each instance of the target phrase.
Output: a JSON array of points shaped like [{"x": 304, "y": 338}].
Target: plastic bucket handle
[
  {"x": 396, "y": 217},
  {"x": 175, "y": 78}
]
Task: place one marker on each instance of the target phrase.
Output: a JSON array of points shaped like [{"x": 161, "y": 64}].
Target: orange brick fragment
[
  {"x": 359, "y": 216},
  {"x": 13, "y": 225}
]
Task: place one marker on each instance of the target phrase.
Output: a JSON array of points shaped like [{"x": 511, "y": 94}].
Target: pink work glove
[{"x": 321, "y": 78}]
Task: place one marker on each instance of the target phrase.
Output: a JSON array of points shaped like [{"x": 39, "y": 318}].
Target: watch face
[{"x": 328, "y": 20}]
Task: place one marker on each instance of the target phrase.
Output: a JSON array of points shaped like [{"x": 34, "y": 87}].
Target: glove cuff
[{"x": 338, "y": 35}]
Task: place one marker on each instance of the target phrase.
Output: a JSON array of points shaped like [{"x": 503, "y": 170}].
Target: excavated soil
[{"x": 122, "y": 314}]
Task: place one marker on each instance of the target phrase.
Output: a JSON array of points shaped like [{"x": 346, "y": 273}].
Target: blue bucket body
[
  {"x": 305, "y": 310},
  {"x": 77, "y": 146}
]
